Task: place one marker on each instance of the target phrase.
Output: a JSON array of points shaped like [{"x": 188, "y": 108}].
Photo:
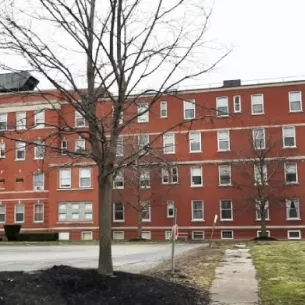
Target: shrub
[
  {"x": 40, "y": 236},
  {"x": 11, "y": 231}
]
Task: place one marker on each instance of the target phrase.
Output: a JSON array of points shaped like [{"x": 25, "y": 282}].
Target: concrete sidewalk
[{"x": 235, "y": 281}]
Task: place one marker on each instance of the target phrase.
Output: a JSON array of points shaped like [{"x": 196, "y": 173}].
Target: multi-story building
[{"x": 47, "y": 190}]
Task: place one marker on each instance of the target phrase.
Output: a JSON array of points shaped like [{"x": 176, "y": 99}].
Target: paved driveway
[{"x": 127, "y": 257}]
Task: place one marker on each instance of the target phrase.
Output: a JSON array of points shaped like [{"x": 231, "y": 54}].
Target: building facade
[{"x": 206, "y": 135}]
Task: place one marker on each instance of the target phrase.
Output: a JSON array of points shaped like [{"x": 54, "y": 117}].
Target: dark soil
[
  {"x": 139, "y": 239},
  {"x": 264, "y": 238},
  {"x": 62, "y": 285}
]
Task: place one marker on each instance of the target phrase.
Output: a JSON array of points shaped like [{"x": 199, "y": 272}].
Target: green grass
[{"x": 281, "y": 272}]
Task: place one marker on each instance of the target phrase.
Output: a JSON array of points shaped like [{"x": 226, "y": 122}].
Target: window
[
  {"x": 170, "y": 209},
  {"x": 293, "y": 209},
  {"x": 19, "y": 180},
  {"x": 169, "y": 143},
  {"x": 197, "y": 210},
  {"x": 170, "y": 176},
  {"x": 79, "y": 119},
  {"x": 291, "y": 173},
  {"x": 174, "y": 175},
  {"x": 143, "y": 141},
  {"x": 163, "y": 109},
  {"x": 39, "y": 118},
  {"x": 2, "y": 213},
  {"x": 258, "y": 137},
  {"x": 259, "y": 233},
  {"x": 75, "y": 211},
  {"x": 265, "y": 211},
  {"x": 143, "y": 113},
  {"x": 80, "y": 146},
  {"x": 65, "y": 178},
  {"x": 19, "y": 213},
  {"x": 3, "y": 121},
  {"x": 146, "y": 235},
  {"x": 38, "y": 181},
  {"x": 118, "y": 235},
  {"x": 21, "y": 120},
  {"x": 196, "y": 176},
  {"x": 289, "y": 137},
  {"x": 120, "y": 147},
  {"x": 146, "y": 211},
  {"x": 237, "y": 103},
  {"x": 38, "y": 212},
  {"x": 222, "y": 106},
  {"x": 224, "y": 174},
  {"x": 226, "y": 210},
  {"x": 20, "y": 151},
  {"x": 118, "y": 211},
  {"x": 295, "y": 101},
  {"x": 223, "y": 138},
  {"x": 260, "y": 174},
  {"x": 118, "y": 181},
  {"x": 64, "y": 147},
  {"x": 144, "y": 178},
  {"x": 168, "y": 235},
  {"x": 39, "y": 150},
  {"x": 2, "y": 150},
  {"x": 257, "y": 104},
  {"x": 195, "y": 141},
  {"x": 197, "y": 235},
  {"x": 227, "y": 235},
  {"x": 189, "y": 109},
  {"x": 84, "y": 177},
  {"x": 86, "y": 235},
  {"x": 294, "y": 234}
]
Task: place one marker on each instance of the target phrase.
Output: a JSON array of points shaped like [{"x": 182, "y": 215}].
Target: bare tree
[{"x": 128, "y": 53}]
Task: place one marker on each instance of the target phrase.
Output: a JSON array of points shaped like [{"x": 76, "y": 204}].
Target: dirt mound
[{"x": 264, "y": 238}]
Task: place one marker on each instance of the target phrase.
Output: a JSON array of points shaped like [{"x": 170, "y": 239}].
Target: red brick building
[{"x": 46, "y": 190}]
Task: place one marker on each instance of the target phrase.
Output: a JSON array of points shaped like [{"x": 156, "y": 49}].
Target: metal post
[
  {"x": 214, "y": 223},
  {"x": 173, "y": 241}
]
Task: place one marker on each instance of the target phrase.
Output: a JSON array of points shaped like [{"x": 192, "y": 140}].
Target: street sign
[
  {"x": 215, "y": 218},
  {"x": 175, "y": 231}
]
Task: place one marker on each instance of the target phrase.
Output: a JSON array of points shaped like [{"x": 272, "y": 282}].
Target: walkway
[{"x": 235, "y": 282}]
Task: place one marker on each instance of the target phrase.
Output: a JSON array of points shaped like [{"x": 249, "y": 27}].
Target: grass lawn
[{"x": 281, "y": 272}]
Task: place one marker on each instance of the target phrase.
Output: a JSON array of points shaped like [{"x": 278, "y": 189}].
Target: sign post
[
  {"x": 214, "y": 223},
  {"x": 174, "y": 237}
]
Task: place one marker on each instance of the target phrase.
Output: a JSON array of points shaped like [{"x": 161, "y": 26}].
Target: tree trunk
[
  {"x": 140, "y": 224},
  {"x": 263, "y": 224},
  {"x": 105, "y": 201}
]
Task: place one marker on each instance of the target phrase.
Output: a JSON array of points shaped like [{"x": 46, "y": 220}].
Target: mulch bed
[{"x": 62, "y": 285}]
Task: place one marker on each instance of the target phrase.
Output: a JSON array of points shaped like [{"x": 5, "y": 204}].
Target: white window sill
[
  {"x": 74, "y": 221},
  {"x": 119, "y": 221},
  {"x": 296, "y": 111},
  {"x": 229, "y": 238},
  {"x": 226, "y": 219},
  {"x": 143, "y": 122},
  {"x": 261, "y": 220},
  {"x": 146, "y": 220},
  {"x": 84, "y": 126},
  {"x": 236, "y": 111},
  {"x": 77, "y": 189},
  {"x": 20, "y": 159},
  {"x": 163, "y": 117},
  {"x": 2, "y": 157},
  {"x": 85, "y": 187},
  {"x": 223, "y": 150},
  {"x": 197, "y": 220},
  {"x": 289, "y": 147},
  {"x": 38, "y": 222},
  {"x": 225, "y": 185},
  {"x": 262, "y": 113},
  {"x": 187, "y": 119},
  {"x": 169, "y": 153},
  {"x": 297, "y": 219},
  {"x": 201, "y": 185},
  {"x": 222, "y": 116},
  {"x": 196, "y": 152},
  {"x": 38, "y": 158},
  {"x": 292, "y": 183},
  {"x": 294, "y": 238},
  {"x": 171, "y": 217},
  {"x": 19, "y": 222}
]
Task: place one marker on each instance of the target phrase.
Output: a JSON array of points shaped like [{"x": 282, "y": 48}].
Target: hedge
[
  {"x": 11, "y": 232},
  {"x": 40, "y": 236}
]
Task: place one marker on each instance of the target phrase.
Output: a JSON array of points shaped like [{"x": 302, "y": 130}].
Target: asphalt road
[{"x": 132, "y": 258}]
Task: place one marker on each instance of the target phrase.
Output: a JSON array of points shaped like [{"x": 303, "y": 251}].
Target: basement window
[
  {"x": 227, "y": 235},
  {"x": 19, "y": 180},
  {"x": 294, "y": 234}
]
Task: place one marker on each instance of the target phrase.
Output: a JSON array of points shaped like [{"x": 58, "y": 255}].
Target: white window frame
[
  {"x": 118, "y": 232},
  {"x": 221, "y": 209},
  {"x": 172, "y": 175},
  {"x": 4, "y": 213},
  {"x": 2, "y": 150},
  {"x": 39, "y": 145},
  {"x": 82, "y": 170},
  {"x": 144, "y": 177},
  {"x": 79, "y": 120},
  {"x": 35, "y": 187},
  {"x": 267, "y": 212},
  {"x": 170, "y": 204},
  {"x": 191, "y": 172},
  {"x": 143, "y": 148},
  {"x": 120, "y": 211},
  {"x": 202, "y": 209},
  {"x": 3, "y": 119},
  {"x": 234, "y": 104},
  {"x": 253, "y": 103},
  {"x": 194, "y": 138},
  {"x": 297, "y": 201},
  {"x": 219, "y": 101},
  {"x": 15, "y": 213},
  {"x": 287, "y": 164},
  {"x": 21, "y": 120},
  {"x": 257, "y": 174},
  {"x": 147, "y": 204},
  {"x": 148, "y": 234},
  {"x": 34, "y": 212},
  {"x": 290, "y": 231},
  {"x": 290, "y": 101},
  {"x": 68, "y": 170},
  {"x": 169, "y": 144},
  {"x": 193, "y": 235},
  {"x": 64, "y": 148},
  {"x": 219, "y": 173},
  {"x": 163, "y": 109},
  {"x": 189, "y": 105},
  {"x": 259, "y": 231},
  {"x": 119, "y": 177},
  {"x": 294, "y": 136},
  {"x": 39, "y": 118},
  {"x": 165, "y": 174},
  {"x": 222, "y": 231},
  {"x": 255, "y": 138},
  {"x": 144, "y": 117},
  {"x": 22, "y": 147},
  {"x": 168, "y": 235},
  {"x": 87, "y": 232},
  {"x": 80, "y": 148},
  {"x": 223, "y": 131},
  {"x": 119, "y": 152}
]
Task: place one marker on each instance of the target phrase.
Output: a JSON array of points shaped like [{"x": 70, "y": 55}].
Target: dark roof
[{"x": 17, "y": 81}]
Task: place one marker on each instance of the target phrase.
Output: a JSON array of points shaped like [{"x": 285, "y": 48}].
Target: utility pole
[{"x": 174, "y": 239}]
